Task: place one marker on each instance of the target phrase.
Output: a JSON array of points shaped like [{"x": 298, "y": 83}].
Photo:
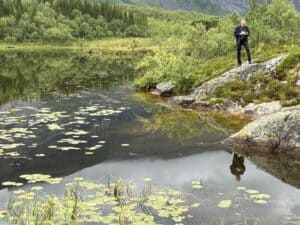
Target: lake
[{"x": 76, "y": 115}]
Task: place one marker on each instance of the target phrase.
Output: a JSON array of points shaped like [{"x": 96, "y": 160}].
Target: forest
[{"x": 63, "y": 20}]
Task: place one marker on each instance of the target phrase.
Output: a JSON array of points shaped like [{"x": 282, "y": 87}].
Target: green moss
[
  {"x": 288, "y": 63},
  {"x": 213, "y": 101},
  {"x": 291, "y": 102},
  {"x": 271, "y": 89}
]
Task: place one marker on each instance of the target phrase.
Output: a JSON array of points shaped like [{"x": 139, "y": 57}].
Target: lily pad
[{"x": 225, "y": 203}]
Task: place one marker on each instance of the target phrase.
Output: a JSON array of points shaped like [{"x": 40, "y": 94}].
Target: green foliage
[
  {"x": 217, "y": 41},
  {"x": 166, "y": 66},
  {"x": 208, "y": 44},
  {"x": 58, "y": 34},
  {"x": 260, "y": 88},
  {"x": 273, "y": 23},
  {"x": 290, "y": 62},
  {"x": 61, "y": 20}
]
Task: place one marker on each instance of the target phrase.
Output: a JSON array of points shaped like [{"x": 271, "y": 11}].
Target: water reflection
[
  {"x": 237, "y": 167},
  {"x": 285, "y": 167},
  {"x": 31, "y": 75}
]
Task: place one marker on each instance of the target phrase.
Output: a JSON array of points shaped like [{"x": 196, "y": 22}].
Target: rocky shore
[{"x": 275, "y": 128}]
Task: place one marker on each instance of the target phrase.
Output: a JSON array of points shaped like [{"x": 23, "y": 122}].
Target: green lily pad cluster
[
  {"x": 19, "y": 127},
  {"x": 85, "y": 201},
  {"x": 258, "y": 198},
  {"x": 35, "y": 178}
]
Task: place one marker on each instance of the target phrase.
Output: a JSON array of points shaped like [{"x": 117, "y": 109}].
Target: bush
[
  {"x": 58, "y": 34},
  {"x": 133, "y": 31},
  {"x": 290, "y": 62},
  {"x": 166, "y": 66}
]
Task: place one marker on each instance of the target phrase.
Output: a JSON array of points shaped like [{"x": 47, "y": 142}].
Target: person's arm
[
  {"x": 248, "y": 32},
  {"x": 237, "y": 32}
]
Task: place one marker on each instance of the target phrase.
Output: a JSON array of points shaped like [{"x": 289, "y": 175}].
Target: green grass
[
  {"x": 249, "y": 91},
  {"x": 289, "y": 63},
  {"x": 106, "y": 44}
]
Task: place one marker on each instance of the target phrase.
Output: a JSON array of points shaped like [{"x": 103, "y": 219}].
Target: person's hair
[{"x": 243, "y": 21}]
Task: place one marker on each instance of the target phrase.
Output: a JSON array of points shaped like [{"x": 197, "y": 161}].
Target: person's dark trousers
[{"x": 239, "y": 48}]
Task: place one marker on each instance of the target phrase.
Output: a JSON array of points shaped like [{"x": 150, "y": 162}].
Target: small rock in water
[{"x": 164, "y": 89}]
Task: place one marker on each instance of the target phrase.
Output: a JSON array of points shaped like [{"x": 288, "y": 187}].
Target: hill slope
[
  {"x": 216, "y": 7},
  {"x": 241, "y": 5},
  {"x": 205, "y": 6}
]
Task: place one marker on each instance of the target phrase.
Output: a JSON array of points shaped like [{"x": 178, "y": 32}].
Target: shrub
[
  {"x": 290, "y": 62},
  {"x": 166, "y": 66},
  {"x": 58, "y": 34}
]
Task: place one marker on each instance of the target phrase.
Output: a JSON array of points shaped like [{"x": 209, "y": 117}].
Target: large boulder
[
  {"x": 258, "y": 110},
  {"x": 274, "y": 132},
  {"x": 242, "y": 73},
  {"x": 164, "y": 89}
]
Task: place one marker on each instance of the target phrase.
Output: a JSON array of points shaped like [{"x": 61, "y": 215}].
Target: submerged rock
[
  {"x": 274, "y": 132},
  {"x": 182, "y": 101},
  {"x": 229, "y": 106},
  {"x": 257, "y": 110},
  {"x": 242, "y": 73}
]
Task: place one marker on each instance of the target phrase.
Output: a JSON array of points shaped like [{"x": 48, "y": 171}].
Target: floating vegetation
[
  {"x": 90, "y": 202},
  {"x": 2, "y": 214},
  {"x": 93, "y": 148},
  {"x": 225, "y": 203},
  {"x": 77, "y": 132},
  {"x": 197, "y": 185},
  {"x": 258, "y": 198},
  {"x": 68, "y": 148},
  {"x": 36, "y": 188},
  {"x": 12, "y": 183},
  {"x": 54, "y": 126},
  {"x": 195, "y": 205},
  {"x": 23, "y": 130},
  {"x": 89, "y": 153},
  {"x": 250, "y": 191},
  {"x": 27, "y": 196},
  {"x": 35, "y": 178},
  {"x": 72, "y": 141},
  {"x": 241, "y": 188}
]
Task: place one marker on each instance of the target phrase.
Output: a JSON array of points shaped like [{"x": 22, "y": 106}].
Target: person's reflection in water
[{"x": 238, "y": 168}]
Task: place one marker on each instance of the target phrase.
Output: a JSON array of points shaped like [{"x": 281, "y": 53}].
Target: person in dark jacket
[{"x": 241, "y": 34}]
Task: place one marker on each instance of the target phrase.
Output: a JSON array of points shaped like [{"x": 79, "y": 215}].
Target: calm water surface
[{"x": 76, "y": 115}]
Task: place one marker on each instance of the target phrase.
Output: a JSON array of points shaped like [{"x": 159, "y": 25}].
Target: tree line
[{"x": 63, "y": 20}]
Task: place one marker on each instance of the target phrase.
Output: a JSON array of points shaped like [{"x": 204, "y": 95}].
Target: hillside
[
  {"x": 241, "y": 5},
  {"x": 206, "y": 6},
  {"x": 216, "y": 7}
]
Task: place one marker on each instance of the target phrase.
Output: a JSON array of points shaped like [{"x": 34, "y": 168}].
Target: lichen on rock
[{"x": 274, "y": 132}]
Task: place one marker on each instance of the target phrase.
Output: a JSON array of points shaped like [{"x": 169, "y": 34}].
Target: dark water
[{"x": 78, "y": 116}]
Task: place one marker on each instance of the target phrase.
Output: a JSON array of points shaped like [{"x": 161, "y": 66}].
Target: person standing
[{"x": 241, "y": 34}]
